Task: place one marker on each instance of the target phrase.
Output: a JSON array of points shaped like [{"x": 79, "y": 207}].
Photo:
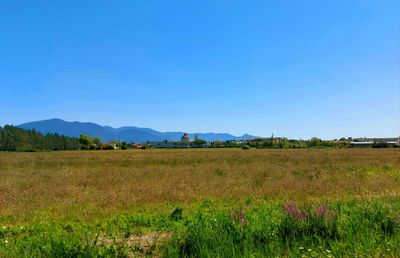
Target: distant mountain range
[{"x": 126, "y": 133}]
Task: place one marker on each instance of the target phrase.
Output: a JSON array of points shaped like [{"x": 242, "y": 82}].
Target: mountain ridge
[{"x": 124, "y": 133}]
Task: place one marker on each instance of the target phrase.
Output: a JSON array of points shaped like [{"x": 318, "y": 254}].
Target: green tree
[
  {"x": 198, "y": 142},
  {"x": 85, "y": 141},
  {"x": 124, "y": 145},
  {"x": 315, "y": 142},
  {"x": 16, "y": 139},
  {"x": 97, "y": 141}
]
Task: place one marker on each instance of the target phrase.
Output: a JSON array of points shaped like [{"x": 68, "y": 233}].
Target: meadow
[{"x": 201, "y": 203}]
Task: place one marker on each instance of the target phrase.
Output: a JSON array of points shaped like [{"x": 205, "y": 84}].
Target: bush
[
  {"x": 177, "y": 214},
  {"x": 380, "y": 145},
  {"x": 146, "y": 146},
  {"x": 245, "y": 147}
]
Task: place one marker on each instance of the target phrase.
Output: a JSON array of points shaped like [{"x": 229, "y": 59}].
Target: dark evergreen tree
[{"x": 16, "y": 139}]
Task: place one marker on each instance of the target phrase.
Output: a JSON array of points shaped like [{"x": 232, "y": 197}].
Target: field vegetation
[{"x": 201, "y": 203}]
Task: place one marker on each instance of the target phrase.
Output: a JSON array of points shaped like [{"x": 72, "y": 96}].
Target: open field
[{"x": 232, "y": 202}]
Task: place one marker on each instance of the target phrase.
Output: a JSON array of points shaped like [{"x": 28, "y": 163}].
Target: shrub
[
  {"x": 177, "y": 214},
  {"x": 219, "y": 172},
  {"x": 380, "y": 145},
  {"x": 245, "y": 147}
]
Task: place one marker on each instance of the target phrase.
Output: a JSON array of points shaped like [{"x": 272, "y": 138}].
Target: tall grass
[
  {"x": 348, "y": 230},
  {"x": 341, "y": 229}
]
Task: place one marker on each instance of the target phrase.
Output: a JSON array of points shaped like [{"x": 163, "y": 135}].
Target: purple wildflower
[
  {"x": 293, "y": 211},
  {"x": 322, "y": 211}
]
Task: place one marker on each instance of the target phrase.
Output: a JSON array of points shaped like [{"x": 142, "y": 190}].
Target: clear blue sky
[{"x": 295, "y": 68}]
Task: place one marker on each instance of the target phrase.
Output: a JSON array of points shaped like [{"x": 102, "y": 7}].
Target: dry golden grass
[{"x": 59, "y": 183}]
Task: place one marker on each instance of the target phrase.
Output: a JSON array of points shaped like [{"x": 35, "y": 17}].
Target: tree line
[
  {"x": 16, "y": 139},
  {"x": 280, "y": 143}
]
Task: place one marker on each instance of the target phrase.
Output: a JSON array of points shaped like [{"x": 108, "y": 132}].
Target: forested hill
[{"x": 16, "y": 139}]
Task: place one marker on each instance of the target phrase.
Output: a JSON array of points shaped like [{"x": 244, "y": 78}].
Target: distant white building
[{"x": 391, "y": 142}]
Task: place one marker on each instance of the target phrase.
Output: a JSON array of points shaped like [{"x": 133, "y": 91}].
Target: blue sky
[{"x": 295, "y": 68}]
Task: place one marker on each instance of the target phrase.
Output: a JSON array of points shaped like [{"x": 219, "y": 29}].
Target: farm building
[{"x": 376, "y": 142}]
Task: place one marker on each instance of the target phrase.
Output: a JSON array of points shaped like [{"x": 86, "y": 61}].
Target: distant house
[
  {"x": 136, "y": 146},
  {"x": 103, "y": 146},
  {"x": 108, "y": 146}
]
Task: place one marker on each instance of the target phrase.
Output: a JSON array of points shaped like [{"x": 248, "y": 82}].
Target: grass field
[{"x": 201, "y": 202}]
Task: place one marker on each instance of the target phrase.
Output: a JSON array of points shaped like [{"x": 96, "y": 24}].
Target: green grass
[{"x": 212, "y": 229}]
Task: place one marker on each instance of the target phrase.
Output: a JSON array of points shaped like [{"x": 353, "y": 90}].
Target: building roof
[{"x": 185, "y": 137}]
